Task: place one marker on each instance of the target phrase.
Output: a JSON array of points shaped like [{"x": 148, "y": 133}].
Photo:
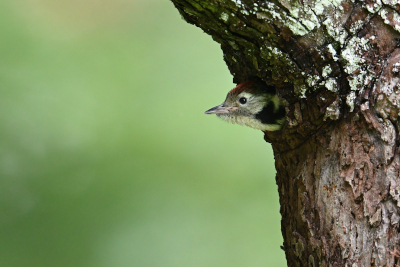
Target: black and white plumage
[{"x": 253, "y": 104}]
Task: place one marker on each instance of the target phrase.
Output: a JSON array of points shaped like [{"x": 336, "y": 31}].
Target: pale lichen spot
[
  {"x": 335, "y": 30},
  {"x": 357, "y": 82},
  {"x": 350, "y": 53},
  {"x": 383, "y": 13},
  {"x": 312, "y": 80},
  {"x": 374, "y": 7},
  {"x": 224, "y": 16},
  {"x": 332, "y": 111},
  {"x": 331, "y": 85},
  {"x": 326, "y": 71},
  {"x": 238, "y": 3},
  {"x": 319, "y": 8},
  {"x": 356, "y": 26},
  {"x": 350, "y": 100},
  {"x": 296, "y": 28},
  {"x": 300, "y": 90},
  {"x": 396, "y": 67},
  {"x": 309, "y": 24}
]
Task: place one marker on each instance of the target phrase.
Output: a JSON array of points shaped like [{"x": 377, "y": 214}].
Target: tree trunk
[{"x": 336, "y": 65}]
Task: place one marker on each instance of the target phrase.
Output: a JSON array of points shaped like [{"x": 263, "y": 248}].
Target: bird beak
[{"x": 221, "y": 109}]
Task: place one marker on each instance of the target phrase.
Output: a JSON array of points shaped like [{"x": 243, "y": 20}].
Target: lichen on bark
[{"x": 336, "y": 65}]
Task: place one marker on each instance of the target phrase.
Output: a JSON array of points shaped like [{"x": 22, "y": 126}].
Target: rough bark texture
[{"x": 336, "y": 64}]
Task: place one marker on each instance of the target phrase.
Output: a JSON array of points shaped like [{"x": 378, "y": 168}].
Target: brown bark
[{"x": 336, "y": 64}]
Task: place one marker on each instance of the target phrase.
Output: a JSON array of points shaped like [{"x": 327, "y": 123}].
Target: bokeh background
[{"x": 106, "y": 157}]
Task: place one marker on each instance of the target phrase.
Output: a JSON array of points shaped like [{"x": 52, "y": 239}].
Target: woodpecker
[{"x": 253, "y": 104}]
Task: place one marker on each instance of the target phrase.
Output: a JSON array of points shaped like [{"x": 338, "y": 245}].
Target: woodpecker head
[{"x": 253, "y": 104}]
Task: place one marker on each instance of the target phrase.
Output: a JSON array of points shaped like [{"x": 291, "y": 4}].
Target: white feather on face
[
  {"x": 252, "y": 105},
  {"x": 245, "y": 114}
]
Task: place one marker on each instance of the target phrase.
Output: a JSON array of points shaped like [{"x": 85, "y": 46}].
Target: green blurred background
[{"x": 106, "y": 157}]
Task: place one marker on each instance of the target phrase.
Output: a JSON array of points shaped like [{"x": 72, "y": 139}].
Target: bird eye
[{"x": 242, "y": 100}]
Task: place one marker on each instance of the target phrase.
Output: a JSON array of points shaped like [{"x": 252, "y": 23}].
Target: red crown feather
[{"x": 246, "y": 86}]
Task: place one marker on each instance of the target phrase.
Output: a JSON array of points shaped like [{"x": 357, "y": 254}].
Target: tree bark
[{"x": 336, "y": 65}]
